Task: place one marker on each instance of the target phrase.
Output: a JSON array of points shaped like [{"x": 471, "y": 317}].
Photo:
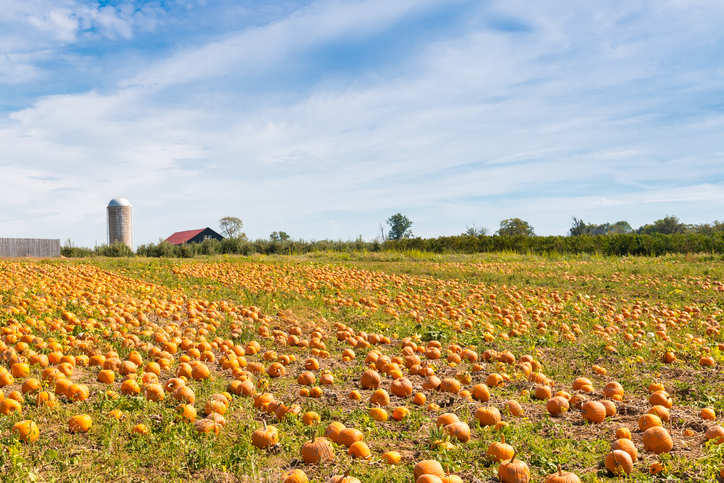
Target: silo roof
[{"x": 119, "y": 202}]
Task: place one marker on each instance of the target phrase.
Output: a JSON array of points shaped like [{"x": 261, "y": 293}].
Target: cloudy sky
[{"x": 324, "y": 118}]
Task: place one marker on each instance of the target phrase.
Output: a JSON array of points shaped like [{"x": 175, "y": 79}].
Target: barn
[{"x": 193, "y": 236}]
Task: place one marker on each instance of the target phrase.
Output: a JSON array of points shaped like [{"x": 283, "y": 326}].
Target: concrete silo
[{"x": 120, "y": 222}]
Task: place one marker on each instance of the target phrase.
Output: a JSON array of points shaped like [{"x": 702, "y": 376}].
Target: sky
[{"x": 324, "y": 118}]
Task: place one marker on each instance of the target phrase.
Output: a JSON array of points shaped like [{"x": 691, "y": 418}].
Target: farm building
[
  {"x": 193, "y": 236},
  {"x": 29, "y": 247}
]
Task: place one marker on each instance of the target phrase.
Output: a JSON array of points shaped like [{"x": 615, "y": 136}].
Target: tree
[
  {"x": 667, "y": 226},
  {"x": 279, "y": 236},
  {"x": 620, "y": 227},
  {"x": 707, "y": 229},
  {"x": 578, "y": 228},
  {"x": 230, "y": 227},
  {"x": 475, "y": 231},
  {"x": 399, "y": 227},
  {"x": 515, "y": 226}
]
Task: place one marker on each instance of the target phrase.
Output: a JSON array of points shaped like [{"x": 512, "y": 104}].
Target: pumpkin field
[{"x": 370, "y": 367}]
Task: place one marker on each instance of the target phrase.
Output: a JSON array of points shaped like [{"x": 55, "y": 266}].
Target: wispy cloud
[{"x": 540, "y": 111}]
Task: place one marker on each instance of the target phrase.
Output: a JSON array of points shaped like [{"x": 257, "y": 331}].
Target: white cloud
[
  {"x": 563, "y": 120},
  {"x": 32, "y": 30}
]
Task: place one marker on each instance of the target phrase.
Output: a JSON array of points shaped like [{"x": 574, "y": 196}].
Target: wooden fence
[{"x": 29, "y": 247}]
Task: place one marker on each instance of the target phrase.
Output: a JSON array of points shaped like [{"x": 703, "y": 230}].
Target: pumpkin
[
  {"x": 349, "y": 436},
  {"x": 333, "y": 430},
  {"x": 715, "y": 434},
  {"x": 657, "y": 468},
  {"x": 172, "y": 384},
  {"x": 345, "y": 478},
  {"x": 657, "y": 440},
  {"x": 31, "y": 385},
  {"x": 515, "y": 408},
  {"x": 359, "y": 449},
  {"x": 201, "y": 371},
  {"x": 307, "y": 378},
  {"x": 593, "y": 411},
  {"x": 283, "y": 411},
  {"x": 618, "y": 462},
  {"x": 379, "y": 414},
  {"x": 206, "y": 426},
  {"x": 80, "y": 423},
  {"x": 392, "y": 457},
  {"x": 295, "y": 476},
  {"x": 428, "y": 467},
  {"x": 487, "y": 416},
  {"x": 626, "y": 445},
  {"x": 563, "y": 477},
  {"x": 610, "y": 407},
  {"x": 513, "y": 471},
  {"x": 447, "y": 418},
  {"x": 380, "y": 397},
  {"x": 661, "y": 398},
  {"x": 317, "y": 450},
  {"x": 45, "y": 398},
  {"x": 184, "y": 394},
  {"x": 26, "y": 431},
  {"x": 542, "y": 393},
  {"x": 9, "y": 406},
  {"x": 557, "y": 405},
  {"x": 311, "y": 417},
  {"x": 459, "y": 431},
  {"x": 432, "y": 383},
  {"x": 140, "y": 429},
  {"x": 708, "y": 414},
  {"x": 154, "y": 392},
  {"x": 494, "y": 380},
  {"x": 580, "y": 382},
  {"x": 400, "y": 413},
  {"x": 130, "y": 387},
  {"x": 401, "y": 387},
  {"x": 449, "y": 385},
  {"x": 370, "y": 379},
  {"x": 481, "y": 392},
  {"x": 265, "y": 437},
  {"x": 185, "y": 413},
  {"x": 500, "y": 451},
  {"x": 127, "y": 367},
  {"x": 660, "y": 411},
  {"x": 623, "y": 433},
  {"x": 647, "y": 421},
  {"x": 613, "y": 390}
]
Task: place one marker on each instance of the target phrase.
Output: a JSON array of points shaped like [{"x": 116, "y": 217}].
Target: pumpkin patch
[{"x": 446, "y": 369}]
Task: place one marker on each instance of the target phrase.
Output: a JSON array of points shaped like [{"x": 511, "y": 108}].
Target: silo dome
[
  {"x": 118, "y": 201},
  {"x": 120, "y": 222}
]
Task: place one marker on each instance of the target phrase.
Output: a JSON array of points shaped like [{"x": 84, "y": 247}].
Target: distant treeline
[
  {"x": 617, "y": 244},
  {"x": 612, "y": 244}
]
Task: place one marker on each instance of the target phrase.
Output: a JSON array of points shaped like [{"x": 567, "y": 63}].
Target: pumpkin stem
[
  {"x": 263, "y": 421},
  {"x": 346, "y": 473},
  {"x": 515, "y": 452},
  {"x": 502, "y": 438},
  {"x": 560, "y": 471}
]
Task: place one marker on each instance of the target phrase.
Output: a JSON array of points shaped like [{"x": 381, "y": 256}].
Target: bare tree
[{"x": 230, "y": 227}]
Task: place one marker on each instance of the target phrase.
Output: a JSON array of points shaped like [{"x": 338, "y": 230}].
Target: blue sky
[{"x": 324, "y": 118}]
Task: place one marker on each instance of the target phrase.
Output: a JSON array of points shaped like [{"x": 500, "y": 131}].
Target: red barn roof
[{"x": 181, "y": 237}]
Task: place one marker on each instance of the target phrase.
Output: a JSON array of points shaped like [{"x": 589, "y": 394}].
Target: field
[{"x": 179, "y": 366}]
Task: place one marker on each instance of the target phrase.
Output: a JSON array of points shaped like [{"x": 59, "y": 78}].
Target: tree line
[{"x": 668, "y": 235}]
